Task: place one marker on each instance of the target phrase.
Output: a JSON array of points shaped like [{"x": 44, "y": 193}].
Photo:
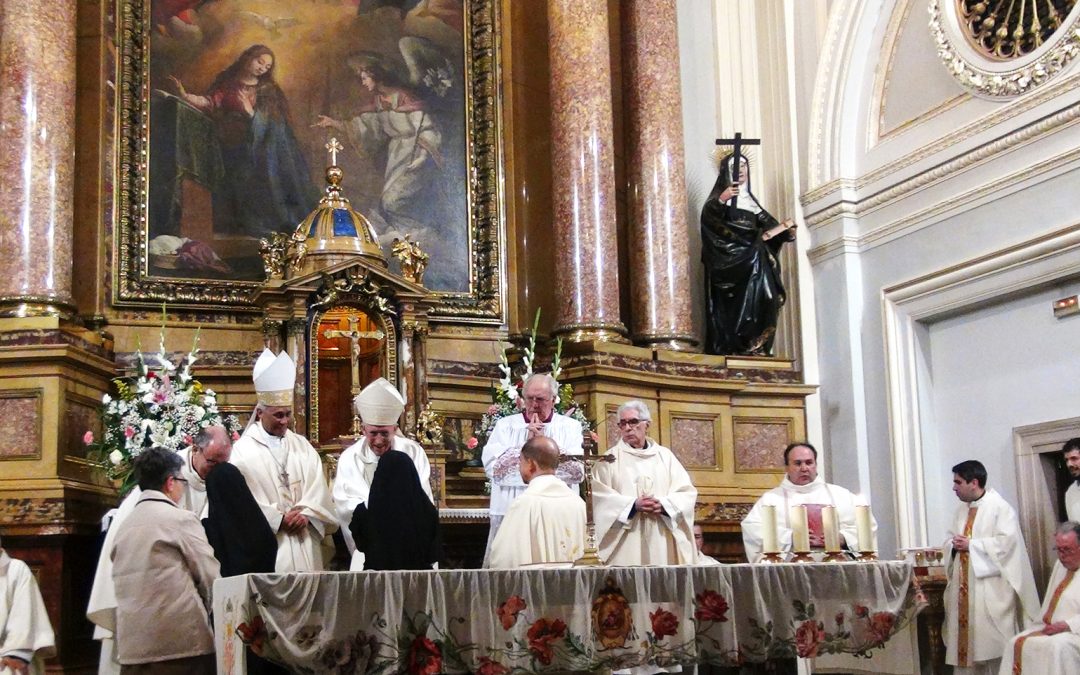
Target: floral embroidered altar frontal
[{"x": 542, "y": 620}]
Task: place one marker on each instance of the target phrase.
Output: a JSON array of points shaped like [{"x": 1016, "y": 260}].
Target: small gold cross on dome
[{"x": 334, "y": 147}]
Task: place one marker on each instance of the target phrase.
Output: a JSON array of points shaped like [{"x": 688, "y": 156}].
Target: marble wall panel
[
  {"x": 693, "y": 441},
  {"x": 759, "y": 444},
  {"x": 20, "y": 424}
]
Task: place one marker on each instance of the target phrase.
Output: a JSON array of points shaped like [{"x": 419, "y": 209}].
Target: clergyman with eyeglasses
[
  {"x": 1052, "y": 644},
  {"x": 164, "y": 569},
  {"x": 502, "y": 452},
  {"x": 643, "y": 502}
]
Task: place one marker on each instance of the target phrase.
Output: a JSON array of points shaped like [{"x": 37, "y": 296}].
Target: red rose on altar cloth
[
  {"x": 808, "y": 637},
  {"x": 711, "y": 606},
  {"x": 881, "y": 626},
  {"x": 489, "y": 667},
  {"x": 508, "y": 611},
  {"x": 541, "y": 634},
  {"x": 663, "y": 623},
  {"x": 424, "y": 657},
  {"x": 253, "y": 633}
]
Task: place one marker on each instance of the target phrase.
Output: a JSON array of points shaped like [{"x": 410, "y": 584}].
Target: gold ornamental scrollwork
[
  {"x": 353, "y": 283},
  {"x": 429, "y": 428},
  {"x": 1010, "y": 30},
  {"x": 412, "y": 258},
  {"x": 989, "y": 74},
  {"x": 282, "y": 253}
]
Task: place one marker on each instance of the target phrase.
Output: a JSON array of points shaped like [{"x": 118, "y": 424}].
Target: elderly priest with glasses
[
  {"x": 284, "y": 472},
  {"x": 643, "y": 502}
]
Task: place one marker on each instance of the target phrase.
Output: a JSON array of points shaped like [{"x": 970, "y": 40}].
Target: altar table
[{"x": 494, "y": 622}]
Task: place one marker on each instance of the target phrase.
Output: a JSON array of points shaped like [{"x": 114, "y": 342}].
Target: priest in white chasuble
[
  {"x": 503, "y": 448},
  {"x": 26, "y": 636},
  {"x": 1052, "y": 645},
  {"x": 546, "y": 523},
  {"x": 379, "y": 405},
  {"x": 284, "y": 472},
  {"x": 991, "y": 593},
  {"x": 643, "y": 502},
  {"x": 803, "y": 486}
]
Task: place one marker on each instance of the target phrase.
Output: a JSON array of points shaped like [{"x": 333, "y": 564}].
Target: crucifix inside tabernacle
[
  {"x": 589, "y": 458},
  {"x": 354, "y": 335},
  {"x": 737, "y": 144}
]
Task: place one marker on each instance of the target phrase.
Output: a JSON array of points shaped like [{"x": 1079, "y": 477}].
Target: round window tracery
[{"x": 1010, "y": 29}]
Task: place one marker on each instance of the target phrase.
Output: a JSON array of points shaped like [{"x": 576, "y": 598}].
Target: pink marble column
[
  {"x": 37, "y": 153},
  {"x": 659, "y": 253},
  {"x": 583, "y": 172}
]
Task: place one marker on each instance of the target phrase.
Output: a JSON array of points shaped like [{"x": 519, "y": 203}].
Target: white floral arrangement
[
  {"x": 161, "y": 405},
  {"x": 506, "y": 393}
]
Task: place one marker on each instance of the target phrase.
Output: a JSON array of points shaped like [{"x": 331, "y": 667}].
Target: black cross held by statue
[{"x": 736, "y": 156}]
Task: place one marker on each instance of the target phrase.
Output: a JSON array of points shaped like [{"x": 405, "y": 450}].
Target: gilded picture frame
[{"x": 192, "y": 182}]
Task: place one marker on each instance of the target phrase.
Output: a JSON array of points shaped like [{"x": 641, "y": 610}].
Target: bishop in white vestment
[
  {"x": 284, "y": 472},
  {"x": 546, "y": 523},
  {"x": 802, "y": 486},
  {"x": 211, "y": 447},
  {"x": 991, "y": 592},
  {"x": 502, "y": 451},
  {"x": 26, "y": 636},
  {"x": 1053, "y": 644},
  {"x": 643, "y": 502},
  {"x": 380, "y": 406}
]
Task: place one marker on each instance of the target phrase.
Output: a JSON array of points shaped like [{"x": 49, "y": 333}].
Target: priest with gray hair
[
  {"x": 502, "y": 452},
  {"x": 643, "y": 502},
  {"x": 379, "y": 406}
]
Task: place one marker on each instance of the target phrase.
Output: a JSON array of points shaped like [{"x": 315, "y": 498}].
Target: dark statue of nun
[{"x": 743, "y": 290}]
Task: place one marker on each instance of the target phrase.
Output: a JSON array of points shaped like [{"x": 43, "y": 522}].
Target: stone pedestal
[
  {"x": 583, "y": 175},
  {"x": 52, "y": 378},
  {"x": 659, "y": 252}
]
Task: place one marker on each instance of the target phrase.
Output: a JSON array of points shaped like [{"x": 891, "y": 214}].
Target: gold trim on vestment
[
  {"x": 281, "y": 397},
  {"x": 964, "y": 618}
]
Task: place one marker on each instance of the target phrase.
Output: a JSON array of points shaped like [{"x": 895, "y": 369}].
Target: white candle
[
  {"x": 800, "y": 533},
  {"x": 828, "y": 523},
  {"x": 866, "y": 532},
  {"x": 768, "y": 532}
]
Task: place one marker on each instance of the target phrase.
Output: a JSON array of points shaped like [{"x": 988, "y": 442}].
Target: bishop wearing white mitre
[
  {"x": 379, "y": 405},
  {"x": 284, "y": 472}
]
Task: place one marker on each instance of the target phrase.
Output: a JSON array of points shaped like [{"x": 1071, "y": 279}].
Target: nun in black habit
[
  {"x": 743, "y": 290},
  {"x": 235, "y": 526},
  {"x": 398, "y": 528}
]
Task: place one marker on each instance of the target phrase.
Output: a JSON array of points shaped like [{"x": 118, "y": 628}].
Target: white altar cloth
[{"x": 538, "y": 620}]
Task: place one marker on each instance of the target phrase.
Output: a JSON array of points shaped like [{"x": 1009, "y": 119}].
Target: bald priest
[{"x": 546, "y": 523}]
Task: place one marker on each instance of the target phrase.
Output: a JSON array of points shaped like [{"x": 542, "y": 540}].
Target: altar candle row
[{"x": 800, "y": 529}]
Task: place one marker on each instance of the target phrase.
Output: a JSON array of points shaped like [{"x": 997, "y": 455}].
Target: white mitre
[
  {"x": 380, "y": 404},
  {"x": 274, "y": 379}
]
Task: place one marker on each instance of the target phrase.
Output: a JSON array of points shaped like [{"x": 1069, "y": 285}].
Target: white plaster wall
[
  {"x": 981, "y": 178},
  {"x": 1003, "y": 366}
]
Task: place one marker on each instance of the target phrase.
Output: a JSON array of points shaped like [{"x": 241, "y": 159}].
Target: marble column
[
  {"x": 583, "y": 173},
  {"x": 37, "y": 154},
  {"x": 659, "y": 250}
]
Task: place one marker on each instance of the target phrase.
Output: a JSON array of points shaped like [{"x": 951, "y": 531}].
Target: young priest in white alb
[{"x": 26, "y": 636}]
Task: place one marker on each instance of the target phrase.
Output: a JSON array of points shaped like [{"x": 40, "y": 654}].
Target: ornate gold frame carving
[
  {"x": 1001, "y": 79},
  {"x": 389, "y": 360},
  {"x": 484, "y": 303}
]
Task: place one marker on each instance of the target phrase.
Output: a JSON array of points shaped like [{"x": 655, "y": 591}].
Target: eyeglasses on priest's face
[
  {"x": 180, "y": 478},
  {"x": 633, "y": 422}
]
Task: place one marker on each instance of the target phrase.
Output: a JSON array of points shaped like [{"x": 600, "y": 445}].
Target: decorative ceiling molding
[{"x": 1001, "y": 79}]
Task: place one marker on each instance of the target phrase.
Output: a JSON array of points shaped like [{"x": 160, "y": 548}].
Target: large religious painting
[{"x": 226, "y": 108}]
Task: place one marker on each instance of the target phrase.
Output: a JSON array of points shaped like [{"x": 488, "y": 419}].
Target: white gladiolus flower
[
  {"x": 106, "y": 399},
  {"x": 116, "y": 457}
]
